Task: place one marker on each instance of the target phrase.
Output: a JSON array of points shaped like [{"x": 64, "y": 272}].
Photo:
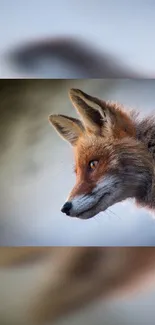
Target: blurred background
[
  {"x": 77, "y": 39},
  {"x": 36, "y": 166},
  {"x": 67, "y": 39},
  {"x": 137, "y": 310},
  {"x": 19, "y": 290}
]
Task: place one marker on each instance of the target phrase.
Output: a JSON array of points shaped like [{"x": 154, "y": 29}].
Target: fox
[
  {"x": 114, "y": 155},
  {"x": 42, "y": 285}
]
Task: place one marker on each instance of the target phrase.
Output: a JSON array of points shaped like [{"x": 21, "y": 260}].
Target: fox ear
[
  {"x": 70, "y": 129},
  {"x": 94, "y": 113},
  {"x": 87, "y": 109}
]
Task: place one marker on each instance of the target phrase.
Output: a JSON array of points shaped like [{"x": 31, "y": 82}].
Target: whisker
[
  {"x": 114, "y": 214},
  {"x": 109, "y": 216},
  {"x": 96, "y": 220}
]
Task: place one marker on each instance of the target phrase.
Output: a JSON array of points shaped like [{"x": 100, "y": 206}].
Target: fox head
[{"x": 111, "y": 165}]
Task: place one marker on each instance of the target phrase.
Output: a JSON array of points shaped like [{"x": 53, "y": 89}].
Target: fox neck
[
  {"x": 148, "y": 200},
  {"x": 145, "y": 132}
]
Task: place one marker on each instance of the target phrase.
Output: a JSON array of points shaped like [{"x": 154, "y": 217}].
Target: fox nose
[{"x": 66, "y": 208}]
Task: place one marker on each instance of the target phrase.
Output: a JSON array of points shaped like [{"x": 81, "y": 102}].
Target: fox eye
[{"x": 93, "y": 164}]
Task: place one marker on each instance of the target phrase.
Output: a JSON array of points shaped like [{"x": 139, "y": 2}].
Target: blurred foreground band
[{"x": 46, "y": 285}]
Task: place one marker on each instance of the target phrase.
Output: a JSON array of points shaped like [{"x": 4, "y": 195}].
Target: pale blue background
[{"x": 122, "y": 28}]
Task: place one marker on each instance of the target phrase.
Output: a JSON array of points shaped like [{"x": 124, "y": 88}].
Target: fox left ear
[
  {"x": 94, "y": 114},
  {"x": 69, "y": 128}
]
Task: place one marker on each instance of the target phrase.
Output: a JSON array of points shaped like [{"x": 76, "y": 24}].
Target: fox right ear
[{"x": 69, "y": 128}]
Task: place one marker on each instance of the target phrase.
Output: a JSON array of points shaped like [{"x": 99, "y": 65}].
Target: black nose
[{"x": 66, "y": 208}]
